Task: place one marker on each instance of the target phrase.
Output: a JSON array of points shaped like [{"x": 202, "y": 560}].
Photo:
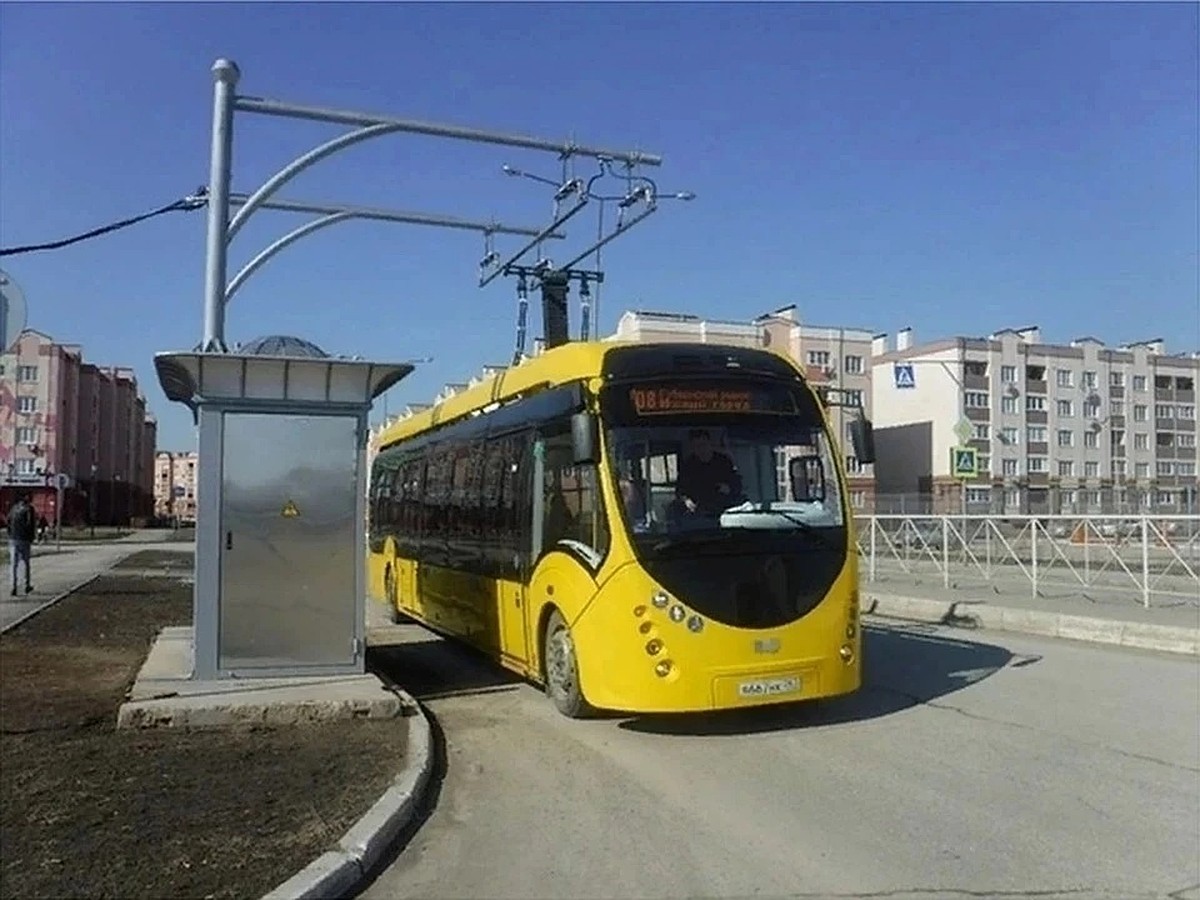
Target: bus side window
[
  {"x": 572, "y": 507},
  {"x": 491, "y": 530},
  {"x": 516, "y": 508}
]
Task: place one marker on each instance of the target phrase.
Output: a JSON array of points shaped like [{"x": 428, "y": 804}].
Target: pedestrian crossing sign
[
  {"x": 964, "y": 462},
  {"x": 903, "y": 375}
]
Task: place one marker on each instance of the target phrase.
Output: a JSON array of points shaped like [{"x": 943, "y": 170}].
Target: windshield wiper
[
  {"x": 805, "y": 527},
  {"x": 692, "y": 538}
]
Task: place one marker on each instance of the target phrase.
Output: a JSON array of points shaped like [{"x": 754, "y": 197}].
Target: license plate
[{"x": 768, "y": 687}]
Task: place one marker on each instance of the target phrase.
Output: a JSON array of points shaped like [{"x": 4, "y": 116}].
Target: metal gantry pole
[{"x": 225, "y": 78}]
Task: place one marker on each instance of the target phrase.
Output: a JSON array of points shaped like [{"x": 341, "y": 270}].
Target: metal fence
[
  {"x": 1147, "y": 559},
  {"x": 997, "y": 501}
]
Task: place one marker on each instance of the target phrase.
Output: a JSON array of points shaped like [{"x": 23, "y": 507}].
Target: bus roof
[{"x": 570, "y": 362}]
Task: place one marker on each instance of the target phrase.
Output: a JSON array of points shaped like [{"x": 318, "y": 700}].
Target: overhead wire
[{"x": 191, "y": 202}]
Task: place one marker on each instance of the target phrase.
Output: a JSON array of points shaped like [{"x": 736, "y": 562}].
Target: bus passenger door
[{"x": 511, "y": 593}]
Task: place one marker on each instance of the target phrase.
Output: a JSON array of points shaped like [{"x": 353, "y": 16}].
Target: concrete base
[{"x": 164, "y": 694}]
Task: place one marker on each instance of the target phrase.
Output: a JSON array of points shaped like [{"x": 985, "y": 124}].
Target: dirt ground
[
  {"x": 87, "y": 811},
  {"x": 173, "y": 562}
]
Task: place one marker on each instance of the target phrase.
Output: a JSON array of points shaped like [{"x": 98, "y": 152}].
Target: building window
[
  {"x": 1012, "y": 498},
  {"x": 976, "y": 369},
  {"x": 27, "y": 404},
  {"x": 1089, "y": 380},
  {"x": 1066, "y": 468},
  {"x": 979, "y": 495},
  {"x": 818, "y": 358},
  {"x": 1164, "y": 411},
  {"x": 1091, "y": 469},
  {"x": 1139, "y": 382},
  {"x": 1116, "y": 379},
  {"x": 853, "y": 466},
  {"x": 1142, "y": 470},
  {"x": 1066, "y": 409},
  {"x": 1120, "y": 468},
  {"x": 27, "y": 373},
  {"x": 1008, "y": 405},
  {"x": 1035, "y": 464},
  {"x": 976, "y": 400},
  {"x": 981, "y": 431},
  {"x": 1185, "y": 440},
  {"x": 1091, "y": 439},
  {"x": 1009, "y": 467},
  {"x": 1141, "y": 441},
  {"x": 1009, "y": 436},
  {"x": 1140, "y": 412},
  {"x": 854, "y": 397},
  {"x": 1066, "y": 438},
  {"x": 1185, "y": 411},
  {"x": 1008, "y": 374},
  {"x": 1185, "y": 469},
  {"x": 26, "y": 435},
  {"x": 853, "y": 365},
  {"x": 1165, "y": 468},
  {"x": 1065, "y": 378},
  {"x": 1036, "y": 434},
  {"x": 1035, "y": 403},
  {"x": 1091, "y": 409}
]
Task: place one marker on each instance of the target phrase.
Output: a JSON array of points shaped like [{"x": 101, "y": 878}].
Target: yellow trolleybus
[{"x": 635, "y": 527}]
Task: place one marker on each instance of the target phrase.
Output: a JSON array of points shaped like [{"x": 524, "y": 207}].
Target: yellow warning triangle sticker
[{"x": 289, "y": 510}]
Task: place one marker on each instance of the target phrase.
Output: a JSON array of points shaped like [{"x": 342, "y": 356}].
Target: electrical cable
[{"x": 191, "y": 202}]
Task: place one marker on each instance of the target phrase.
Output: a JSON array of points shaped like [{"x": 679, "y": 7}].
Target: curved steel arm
[
  {"x": 299, "y": 164},
  {"x": 290, "y": 238}
]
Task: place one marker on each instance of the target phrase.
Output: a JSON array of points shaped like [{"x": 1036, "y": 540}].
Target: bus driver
[{"x": 708, "y": 481}]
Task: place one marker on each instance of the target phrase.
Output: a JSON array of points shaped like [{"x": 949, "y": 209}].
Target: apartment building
[
  {"x": 1072, "y": 428},
  {"x": 833, "y": 357},
  {"x": 175, "y": 485},
  {"x": 60, "y": 415}
]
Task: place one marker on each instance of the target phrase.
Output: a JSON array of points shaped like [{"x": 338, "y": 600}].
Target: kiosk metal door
[{"x": 288, "y": 541}]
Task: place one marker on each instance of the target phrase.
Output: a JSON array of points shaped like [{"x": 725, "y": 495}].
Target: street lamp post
[{"x": 92, "y": 502}]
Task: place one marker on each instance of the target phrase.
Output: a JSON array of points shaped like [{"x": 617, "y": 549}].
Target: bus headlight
[
  {"x": 663, "y": 669},
  {"x": 851, "y": 631},
  {"x": 661, "y": 600},
  {"x": 654, "y": 646},
  {"x": 846, "y": 653},
  {"x": 677, "y": 613},
  {"x": 695, "y": 624}
]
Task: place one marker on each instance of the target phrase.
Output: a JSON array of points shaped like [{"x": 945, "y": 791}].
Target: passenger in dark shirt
[{"x": 708, "y": 481}]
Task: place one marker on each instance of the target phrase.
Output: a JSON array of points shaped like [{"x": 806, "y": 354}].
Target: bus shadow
[
  {"x": 430, "y": 668},
  {"x": 903, "y": 666}
]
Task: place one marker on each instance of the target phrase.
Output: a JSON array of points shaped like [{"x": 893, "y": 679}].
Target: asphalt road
[{"x": 970, "y": 765}]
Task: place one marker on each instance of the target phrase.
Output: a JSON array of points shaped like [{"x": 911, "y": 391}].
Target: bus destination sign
[{"x": 669, "y": 400}]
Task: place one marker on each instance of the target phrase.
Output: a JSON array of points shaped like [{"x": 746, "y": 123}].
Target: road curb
[
  {"x": 341, "y": 870},
  {"x": 67, "y": 593},
  {"x": 978, "y": 614}
]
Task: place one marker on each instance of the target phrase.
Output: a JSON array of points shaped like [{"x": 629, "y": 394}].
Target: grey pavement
[
  {"x": 55, "y": 573},
  {"x": 980, "y": 765}
]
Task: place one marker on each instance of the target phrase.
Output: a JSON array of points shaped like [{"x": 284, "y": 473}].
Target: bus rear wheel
[{"x": 562, "y": 669}]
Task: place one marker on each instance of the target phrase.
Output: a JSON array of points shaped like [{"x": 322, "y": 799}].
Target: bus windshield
[{"x": 705, "y": 459}]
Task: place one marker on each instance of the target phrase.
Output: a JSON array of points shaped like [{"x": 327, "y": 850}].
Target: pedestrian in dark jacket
[{"x": 22, "y": 529}]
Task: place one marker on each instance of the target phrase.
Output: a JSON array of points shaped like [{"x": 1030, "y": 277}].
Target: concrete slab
[{"x": 164, "y": 695}]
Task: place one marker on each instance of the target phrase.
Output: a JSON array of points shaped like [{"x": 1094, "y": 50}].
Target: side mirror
[
  {"x": 862, "y": 438},
  {"x": 585, "y": 439},
  {"x": 807, "y": 475}
]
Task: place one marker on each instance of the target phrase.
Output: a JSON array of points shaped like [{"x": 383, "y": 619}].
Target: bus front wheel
[{"x": 562, "y": 669}]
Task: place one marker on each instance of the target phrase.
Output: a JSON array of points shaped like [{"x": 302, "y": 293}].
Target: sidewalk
[
  {"x": 1171, "y": 625},
  {"x": 55, "y": 574}
]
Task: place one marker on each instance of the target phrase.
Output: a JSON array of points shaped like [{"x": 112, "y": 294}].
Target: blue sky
[{"x": 954, "y": 167}]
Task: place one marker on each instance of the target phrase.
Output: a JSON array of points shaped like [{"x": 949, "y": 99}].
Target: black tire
[{"x": 562, "y": 669}]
